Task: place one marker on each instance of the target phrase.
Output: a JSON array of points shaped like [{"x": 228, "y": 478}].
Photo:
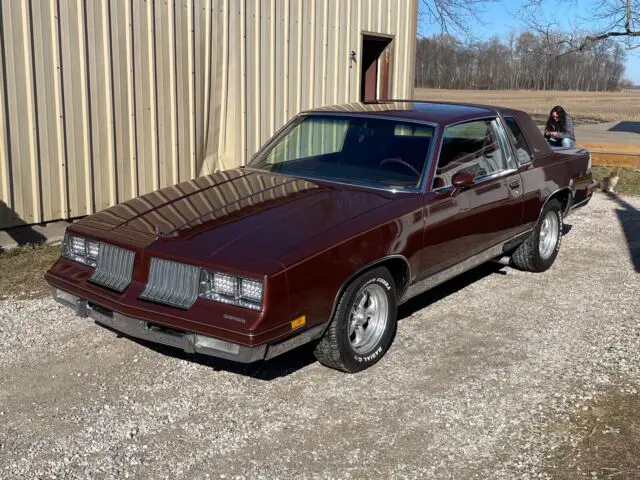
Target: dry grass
[
  {"x": 629, "y": 182},
  {"x": 585, "y": 107},
  {"x": 23, "y": 270},
  {"x": 609, "y": 448}
]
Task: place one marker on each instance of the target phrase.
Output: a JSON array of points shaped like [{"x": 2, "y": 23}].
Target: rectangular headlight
[
  {"x": 225, "y": 288},
  {"x": 80, "y": 249},
  {"x": 251, "y": 289},
  {"x": 225, "y": 284}
]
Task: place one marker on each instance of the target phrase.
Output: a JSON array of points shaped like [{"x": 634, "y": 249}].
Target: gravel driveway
[{"x": 483, "y": 373}]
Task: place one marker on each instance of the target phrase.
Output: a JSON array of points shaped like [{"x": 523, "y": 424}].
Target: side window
[
  {"x": 523, "y": 153},
  {"x": 475, "y": 147}
]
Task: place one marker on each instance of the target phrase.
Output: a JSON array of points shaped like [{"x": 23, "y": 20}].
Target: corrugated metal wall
[{"x": 101, "y": 101}]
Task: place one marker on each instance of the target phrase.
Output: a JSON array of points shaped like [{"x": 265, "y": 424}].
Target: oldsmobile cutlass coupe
[{"x": 347, "y": 212}]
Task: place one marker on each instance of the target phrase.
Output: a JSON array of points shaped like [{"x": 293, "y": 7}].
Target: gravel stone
[{"x": 481, "y": 372}]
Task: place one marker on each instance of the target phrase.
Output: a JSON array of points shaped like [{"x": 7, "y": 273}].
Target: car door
[
  {"x": 532, "y": 178},
  {"x": 461, "y": 223}
]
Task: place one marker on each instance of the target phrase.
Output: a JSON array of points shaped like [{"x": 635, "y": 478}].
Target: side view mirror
[{"x": 461, "y": 180}]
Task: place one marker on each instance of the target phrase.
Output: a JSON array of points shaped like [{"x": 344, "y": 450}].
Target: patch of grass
[
  {"x": 629, "y": 183},
  {"x": 609, "y": 445},
  {"x": 23, "y": 270}
]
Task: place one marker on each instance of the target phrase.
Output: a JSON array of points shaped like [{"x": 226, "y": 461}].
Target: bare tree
[
  {"x": 451, "y": 16},
  {"x": 523, "y": 61},
  {"x": 608, "y": 19}
]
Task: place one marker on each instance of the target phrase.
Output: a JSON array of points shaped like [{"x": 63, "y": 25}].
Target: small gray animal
[{"x": 608, "y": 184}]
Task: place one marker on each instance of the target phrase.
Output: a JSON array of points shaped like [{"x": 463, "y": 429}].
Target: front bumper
[{"x": 189, "y": 342}]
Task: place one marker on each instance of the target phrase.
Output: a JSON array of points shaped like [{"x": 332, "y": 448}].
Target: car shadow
[
  {"x": 457, "y": 283},
  {"x": 443, "y": 290},
  {"x": 629, "y": 218},
  {"x": 277, "y": 367}
]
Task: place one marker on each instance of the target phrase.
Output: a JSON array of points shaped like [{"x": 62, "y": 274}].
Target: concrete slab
[
  {"x": 621, "y": 133},
  {"x": 52, "y": 232},
  {"x": 625, "y": 133}
]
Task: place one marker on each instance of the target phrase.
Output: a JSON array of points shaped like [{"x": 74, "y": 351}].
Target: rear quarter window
[{"x": 523, "y": 152}]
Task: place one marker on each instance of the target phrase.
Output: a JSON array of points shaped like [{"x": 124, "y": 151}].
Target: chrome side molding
[{"x": 442, "y": 276}]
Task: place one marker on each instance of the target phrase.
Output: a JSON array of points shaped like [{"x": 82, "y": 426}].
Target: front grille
[
  {"x": 114, "y": 267},
  {"x": 172, "y": 283}
]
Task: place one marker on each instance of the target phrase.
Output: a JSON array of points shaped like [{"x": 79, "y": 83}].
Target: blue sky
[{"x": 500, "y": 17}]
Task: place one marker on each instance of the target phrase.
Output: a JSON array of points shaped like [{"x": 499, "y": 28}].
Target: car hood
[{"x": 259, "y": 213}]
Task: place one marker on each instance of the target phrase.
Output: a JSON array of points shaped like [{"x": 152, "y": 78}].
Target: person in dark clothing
[{"x": 559, "y": 130}]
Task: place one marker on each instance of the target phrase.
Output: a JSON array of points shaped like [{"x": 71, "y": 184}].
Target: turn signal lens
[{"x": 299, "y": 322}]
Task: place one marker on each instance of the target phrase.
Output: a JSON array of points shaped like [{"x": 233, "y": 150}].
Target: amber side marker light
[{"x": 298, "y": 322}]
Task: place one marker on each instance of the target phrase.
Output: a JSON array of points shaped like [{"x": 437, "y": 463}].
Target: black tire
[
  {"x": 527, "y": 256},
  {"x": 336, "y": 348}
]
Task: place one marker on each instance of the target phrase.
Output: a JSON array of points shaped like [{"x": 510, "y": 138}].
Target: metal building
[{"x": 101, "y": 101}]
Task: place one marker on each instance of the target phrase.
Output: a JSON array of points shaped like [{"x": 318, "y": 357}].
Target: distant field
[{"x": 585, "y": 107}]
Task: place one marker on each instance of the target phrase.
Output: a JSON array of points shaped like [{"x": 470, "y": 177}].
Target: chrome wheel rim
[
  {"x": 368, "y": 319},
  {"x": 549, "y": 233}
]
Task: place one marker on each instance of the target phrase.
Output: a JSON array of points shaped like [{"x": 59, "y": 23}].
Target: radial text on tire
[
  {"x": 538, "y": 252},
  {"x": 363, "y": 325}
]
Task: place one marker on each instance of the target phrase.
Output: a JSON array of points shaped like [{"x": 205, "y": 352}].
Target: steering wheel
[{"x": 401, "y": 162}]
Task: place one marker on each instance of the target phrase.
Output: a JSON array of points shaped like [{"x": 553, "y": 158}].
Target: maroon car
[{"x": 347, "y": 212}]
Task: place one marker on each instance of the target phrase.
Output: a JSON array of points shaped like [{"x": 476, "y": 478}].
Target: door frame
[{"x": 383, "y": 66}]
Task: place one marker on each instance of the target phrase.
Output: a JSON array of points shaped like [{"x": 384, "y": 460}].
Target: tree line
[{"x": 534, "y": 61}]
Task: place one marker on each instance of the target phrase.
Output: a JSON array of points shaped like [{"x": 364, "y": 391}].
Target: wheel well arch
[
  {"x": 564, "y": 196},
  {"x": 398, "y": 266}
]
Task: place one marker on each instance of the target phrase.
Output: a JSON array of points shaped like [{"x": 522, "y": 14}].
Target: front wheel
[
  {"x": 538, "y": 252},
  {"x": 363, "y": 325}
]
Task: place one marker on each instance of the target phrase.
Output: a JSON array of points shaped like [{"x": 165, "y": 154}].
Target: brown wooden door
[
  {"x": 386, "y": 65},
  {"x": 376, "y": 68},
  {"x": 371, "y": 82}
]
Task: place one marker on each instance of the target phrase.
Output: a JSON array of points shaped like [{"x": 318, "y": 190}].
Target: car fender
[{"x": 359, "y": 272}]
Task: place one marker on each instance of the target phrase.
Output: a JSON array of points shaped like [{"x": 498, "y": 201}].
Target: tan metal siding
[
  {"x": 101, "y": 101},
  {"x": 321, "y": 34}
]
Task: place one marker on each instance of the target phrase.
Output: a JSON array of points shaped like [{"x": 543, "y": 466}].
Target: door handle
[{"x": 514, "y": 188}]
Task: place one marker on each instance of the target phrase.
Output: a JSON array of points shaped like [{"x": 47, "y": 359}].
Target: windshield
[{"x": 371, "y": 151}]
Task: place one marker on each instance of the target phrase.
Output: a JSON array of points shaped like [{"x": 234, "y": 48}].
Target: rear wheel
[
  {"x": 363, "y": 325},
  {"x": 538, "y": 252}
]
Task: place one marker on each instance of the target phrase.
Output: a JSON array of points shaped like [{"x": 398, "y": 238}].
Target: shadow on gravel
[
  {"x": 629, "y": 218},
  {"x": 302, "y": 357},
  {"x": 441, "y": 291},
  {"x": 458, "y": 283},
  {"x": 281, "y": 366}
]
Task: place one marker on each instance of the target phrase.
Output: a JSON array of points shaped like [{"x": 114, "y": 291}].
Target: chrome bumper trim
[{"x": 186, "y": 341}]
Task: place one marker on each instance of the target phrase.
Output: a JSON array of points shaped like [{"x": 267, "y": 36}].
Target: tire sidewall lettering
[
  {"x": 379, "y": 349},
  {"x": 379, "y": 280},
  {"x": 370, "y": 357}
]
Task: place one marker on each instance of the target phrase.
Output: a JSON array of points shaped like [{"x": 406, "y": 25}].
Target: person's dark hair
[{"x": 561, "y": 119}]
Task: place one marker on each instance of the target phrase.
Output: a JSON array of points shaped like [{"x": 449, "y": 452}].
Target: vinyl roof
[{"x": 435, "y": 112}]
